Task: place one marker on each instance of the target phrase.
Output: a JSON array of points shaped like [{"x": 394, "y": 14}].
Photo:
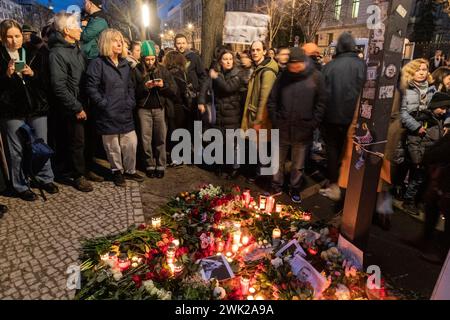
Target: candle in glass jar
[
  {"x": 279, "y": 208},
  {"x": 245, "y": 282},
  {"x": 237, "y": 237},
  {"x": 270, "y": 204},
  {"x": 235, "y": 248},
  {"x": 276, "y": 237},
  {"x": 307, "y": 216},
  {"x": 250, "y": 298},
  {"x": 245, "y": 240},
  {"x": 124, "y": 262},
  {"x": 252, "y": 290},
  {"x": 247, "y": 198},
  {"x": 156, "y": 222},
  {"x": 220, "y": 246},
  {"x": 262, "y": 202},
  {"x": 259, "y": 297}
]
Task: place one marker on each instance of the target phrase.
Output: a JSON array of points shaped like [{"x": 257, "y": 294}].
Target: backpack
[{"x": 36, "y": 155}]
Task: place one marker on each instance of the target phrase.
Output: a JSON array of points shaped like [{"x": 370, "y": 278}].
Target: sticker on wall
[
  {"x": 401, "y": 11},
  {"x": 396, "y": 44},
  {"x": 386, "y": 92},
  {"x": 366, "y": 110},
  {"x": 372, "y": 73},
  {"x": 391, "y": 71},
  {"x": 369, "y": 93}
]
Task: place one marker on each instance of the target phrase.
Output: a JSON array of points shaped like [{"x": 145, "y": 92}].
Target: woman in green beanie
[{"x": 154, "y": 88}]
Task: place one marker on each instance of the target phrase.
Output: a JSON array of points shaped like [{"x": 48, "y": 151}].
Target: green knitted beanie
[{"x": 148, "y": 48}]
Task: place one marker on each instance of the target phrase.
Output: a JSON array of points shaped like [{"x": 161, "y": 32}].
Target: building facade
[
  {"x": 10, "y": 10},
  {"x": 428, "y": 28},
  {"x": 35, "y": 14}
]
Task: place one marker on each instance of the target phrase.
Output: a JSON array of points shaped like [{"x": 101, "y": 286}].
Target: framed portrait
[{"x": 216, "y": 267}]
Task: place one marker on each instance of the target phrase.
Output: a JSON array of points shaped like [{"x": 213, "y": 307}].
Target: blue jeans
[{"x": 19, "y": 180}]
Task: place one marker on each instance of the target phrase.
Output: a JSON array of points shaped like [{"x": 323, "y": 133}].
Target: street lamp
[
  {"x": 291, "y": 35},
  {"x": 146, "y": 15},
  {"x": 191, "y": 28}
]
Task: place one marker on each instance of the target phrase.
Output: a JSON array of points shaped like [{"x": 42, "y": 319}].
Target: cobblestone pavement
[{"x": 40, "y": 240}]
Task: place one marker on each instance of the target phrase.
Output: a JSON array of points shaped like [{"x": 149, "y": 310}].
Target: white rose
[
  {"x": 277, "y": 262},
  {"x": 117, "y": 275}
]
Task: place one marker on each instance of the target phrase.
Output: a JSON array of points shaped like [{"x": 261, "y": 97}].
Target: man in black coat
[
  {"x": 67, "y": 68},
  {"x": 196, "y": 76},
  {"x": 344, "y": 77},
  {"x": 296, "y": 107},
  {"x": 195, "y": 70}
]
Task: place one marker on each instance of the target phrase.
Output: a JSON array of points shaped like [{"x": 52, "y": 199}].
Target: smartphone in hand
[{"x": 19, "y": 66}]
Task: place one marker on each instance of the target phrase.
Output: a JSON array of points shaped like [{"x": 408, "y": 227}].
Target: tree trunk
[{"x": 212, "y": 28}]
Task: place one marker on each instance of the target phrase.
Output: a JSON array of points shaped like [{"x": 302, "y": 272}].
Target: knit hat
[
  {"x": 297, "y": 55},
  {"x": 148, "y": 48},
  {"x": 440, "y": 100},
  {"x": 28, "y": 28},
  {"x": 98, "y": 3}
]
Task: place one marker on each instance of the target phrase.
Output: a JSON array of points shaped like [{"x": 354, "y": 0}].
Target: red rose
[
  {"x": 142, "y": 227},
  {"x": 137, "y": 280},
  {"x": 149, "y": 276},
  {"x": 217, "y": 217}
]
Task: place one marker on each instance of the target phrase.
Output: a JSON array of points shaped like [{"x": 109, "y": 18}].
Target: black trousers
[
  {"x": 335, "y": 137},
  {"x": 76, "y": 132},
  {"x": 435, "y": 204}
]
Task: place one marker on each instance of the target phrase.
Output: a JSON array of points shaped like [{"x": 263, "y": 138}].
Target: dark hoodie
[
  {"x": 67, "y": 68},
  {"x": 297, "y": 103},
  {"x": 344, "y": 76}
]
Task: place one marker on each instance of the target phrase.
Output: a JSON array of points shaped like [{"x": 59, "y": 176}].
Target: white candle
[
  {"x": 276, "y": 235},
  {"x": 279, "y": 208},
  {"x": 235, "y": 248},
  {"x": 237, "y": 237},
  {"x": 245, "y": 240},
  {"x": 245, "y": 282},
  {"x": 252, "y": 290},
  {"x": 156, "y": 222}
]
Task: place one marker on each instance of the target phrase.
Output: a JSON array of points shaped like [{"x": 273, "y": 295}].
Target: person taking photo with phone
[
  {"x": 155, "y": 87},
  {"x": 23, "y": 100}
]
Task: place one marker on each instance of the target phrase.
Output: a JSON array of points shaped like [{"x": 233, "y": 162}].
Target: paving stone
[{"x": 40, "y": 240}]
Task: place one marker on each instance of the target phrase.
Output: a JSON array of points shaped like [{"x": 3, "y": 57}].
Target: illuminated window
[
  {"x": 355, "y": 9},
  {"x": 337, "y": 9}
]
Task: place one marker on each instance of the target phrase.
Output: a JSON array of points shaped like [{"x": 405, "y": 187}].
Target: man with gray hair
[{"x": 67, "y": 68}]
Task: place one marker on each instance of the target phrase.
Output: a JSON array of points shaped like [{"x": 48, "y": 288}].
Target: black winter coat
[
  {"x": 111, "y": 91},
  {"x": 297, "y": 104},
  {"x": 27, "y": 97},
  {"x": 196, "y": 71},
  {"x": 162, "y": 96},
  {"x": 67, "y": 73},
  {"x": 227, "y": 98},
  {"x": 344, "y": 78}
]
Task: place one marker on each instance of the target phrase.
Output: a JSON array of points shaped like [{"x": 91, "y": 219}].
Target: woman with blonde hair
[
  {"x": 417, "y": 93},
  {"x": 111, "y": 90}
]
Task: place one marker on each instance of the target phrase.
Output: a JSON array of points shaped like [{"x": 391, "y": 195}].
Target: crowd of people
[{"x": 75, "y": 86}]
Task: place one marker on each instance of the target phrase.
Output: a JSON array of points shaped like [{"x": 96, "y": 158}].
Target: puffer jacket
[
  {"x": 227, "y": 99},
  {"x": 297, "y": 104},
  {"x": 111, "y": 91},
  {"x": 412, "y": 108},
  {"x": 67, "y": 73},
  {"x": 23, "y": 97}
]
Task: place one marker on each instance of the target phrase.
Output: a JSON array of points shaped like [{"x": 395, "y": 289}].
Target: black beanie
[
  {"x": 98, "y": 3},
  {"x": 297, "y": 55},
  {"x": 440, "y": 100}
]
